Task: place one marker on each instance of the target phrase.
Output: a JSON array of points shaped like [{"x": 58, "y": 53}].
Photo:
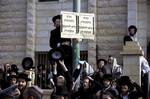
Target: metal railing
[{"x": 43, "y": 68}]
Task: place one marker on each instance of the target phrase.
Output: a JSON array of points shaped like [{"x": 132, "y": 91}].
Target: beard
[
  {"x": 132, "y": 34},
  {"x": 21, "y": 88}
]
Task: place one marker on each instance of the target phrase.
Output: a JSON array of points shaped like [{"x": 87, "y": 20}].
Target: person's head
[
  {"x": 27, "y": 63},
  {"x": 125, "y": 84},
  {"x": 41, "y": 67},
  {"x": 107, "y": 80},
  {"x": 23, "y": 81},
  {"x": 106, "y": 95},
  {"x": 132, "y": 30},
  {"x": 124, "y": 89},
  {"x": 56, "y": 21},
  {"x": 61, "y": 81},
  {"x": 101, "y": 63},
  {"x": 110, "y": 59},
  {"x": 14, "y": 68},
  {"x": 87, "y": 82},
  {"x": 1, "y": 69},
  {"x": 7, "y": 67},
  {"x": 12, "y": 79},
  {"x": 61, "y": 89}
]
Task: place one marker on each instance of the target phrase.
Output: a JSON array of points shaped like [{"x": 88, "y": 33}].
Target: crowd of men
[
  {"x": 84, "y": 82},
  {"x": 14, "y": 84},
  {"x": 106, "y": 82},
  {"x": 81, "y": 82}
]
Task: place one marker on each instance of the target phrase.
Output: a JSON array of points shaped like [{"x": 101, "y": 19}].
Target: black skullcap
[{"x": 24, "y": 76}]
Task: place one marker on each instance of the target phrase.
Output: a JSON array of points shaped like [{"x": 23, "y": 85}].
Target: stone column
[
  {"x": 132, "y": 12},
  {"x": 137, "y": 15},
  {"x": 30, "y": 36},
  {"x": 131, "y": 61},
  {"x": 142, "y": 24},
  {"x": 92, "y": 8}
]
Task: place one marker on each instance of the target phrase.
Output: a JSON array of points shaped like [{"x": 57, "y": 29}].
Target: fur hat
[
  {"x": 56, "y": 54},
  {"x": 27, "y": 63}
]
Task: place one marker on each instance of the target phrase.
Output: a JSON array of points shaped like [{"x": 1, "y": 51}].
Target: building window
[{"x": 47, "y": 0}]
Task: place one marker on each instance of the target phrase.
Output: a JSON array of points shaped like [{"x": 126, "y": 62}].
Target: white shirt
[
  {"x": 134, "y": 38},
  {"x": 144, "y": 65}
]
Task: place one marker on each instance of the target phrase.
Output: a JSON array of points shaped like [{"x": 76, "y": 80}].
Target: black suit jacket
[
  {"x": 127, "y": 38},
  {"x": 55, "y": 38}
]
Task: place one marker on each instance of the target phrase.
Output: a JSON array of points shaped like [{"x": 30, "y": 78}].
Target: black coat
[
  {"x": 55, "y": 38},
  {"x": 127, "y": 38},
  {"x": 84, "y": 94}
]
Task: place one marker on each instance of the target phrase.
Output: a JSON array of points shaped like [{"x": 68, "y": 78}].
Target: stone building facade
[{"x": 25, "y": 26}]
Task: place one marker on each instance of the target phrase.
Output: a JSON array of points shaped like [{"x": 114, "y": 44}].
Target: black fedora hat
[
  {"x": 24, "y": 76},
  {"x": 56, "y": 54},
  {"x": 107, "y": 77},
  {"x": 125, "y": 80},
  {"x": 55, "y": 17},
  {"x": 101, "y": 59},
  {"x": 12, "y": 76},
  {"x": 27, "y": 63},
  {"x": 14, "y": 67}
]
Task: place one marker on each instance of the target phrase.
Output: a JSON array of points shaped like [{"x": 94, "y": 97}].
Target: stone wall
[
  {"x": 111, "y": 27},
  {"x": 12, "y": 30},
  {"x": 148, "y": 25},
  {"x": 142, "y": 23}
]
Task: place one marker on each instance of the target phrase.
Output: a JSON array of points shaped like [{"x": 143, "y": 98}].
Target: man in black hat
[
  {"x": 107, "y": 83},
  {"x": 87, "y": 90},
  {"x": 100, "y": 70},
  {"x": 55, "y": 38},
  {"x": 6, "y": 73},
  {"x": 12, "y": 92},
  {"x": 129, "y": 89},
  {"x": 63, "y": 43},
  {"x": 22, "y": 84}
]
